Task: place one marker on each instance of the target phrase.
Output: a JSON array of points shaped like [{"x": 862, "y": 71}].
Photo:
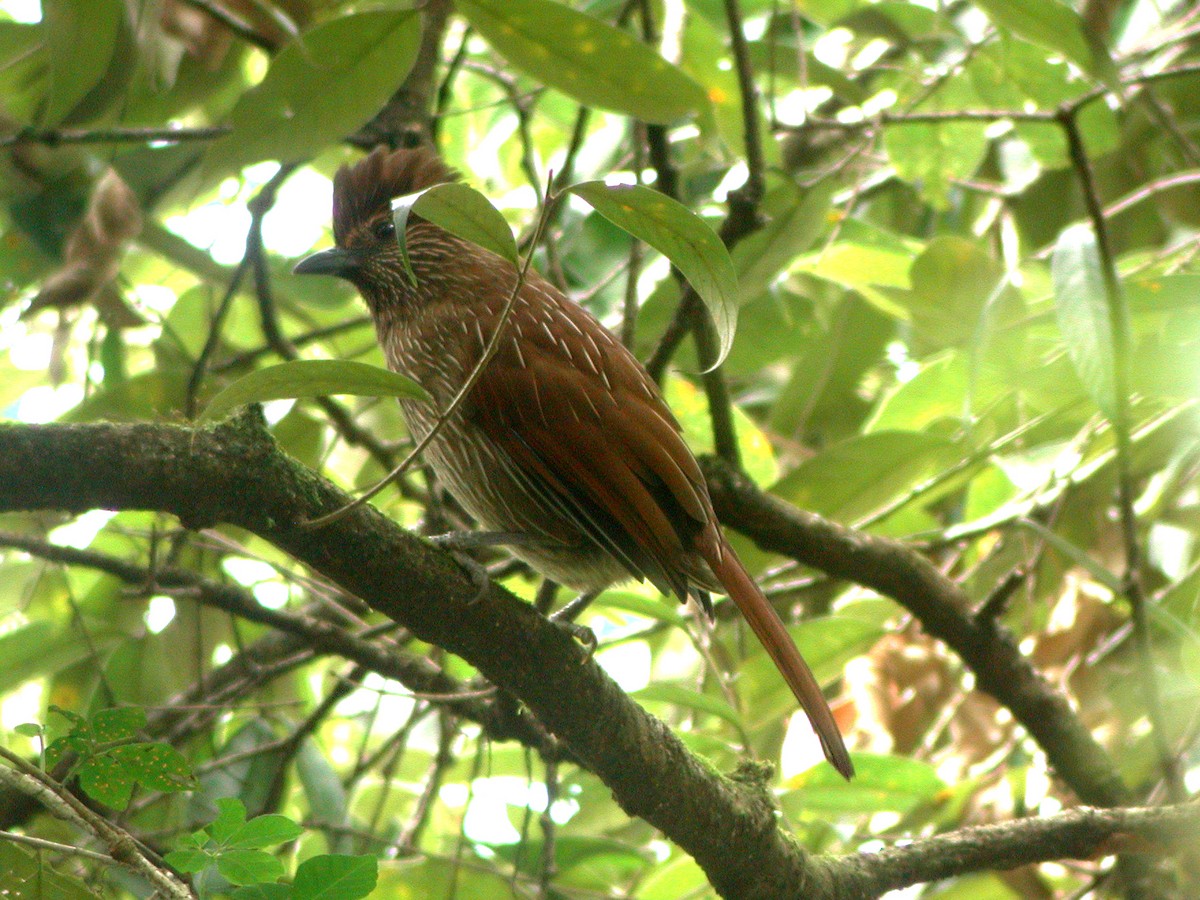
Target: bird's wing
[{"x": 583, "y": 423}]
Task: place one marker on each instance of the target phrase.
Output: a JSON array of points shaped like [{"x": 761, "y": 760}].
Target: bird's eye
[{"x": 385, "y": 230}]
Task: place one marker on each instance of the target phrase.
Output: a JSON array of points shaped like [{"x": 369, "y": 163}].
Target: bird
[{"x": 564, "y": 440}]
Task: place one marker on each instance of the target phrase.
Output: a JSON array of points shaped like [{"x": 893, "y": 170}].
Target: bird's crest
[{"x": 366, "y": 188}]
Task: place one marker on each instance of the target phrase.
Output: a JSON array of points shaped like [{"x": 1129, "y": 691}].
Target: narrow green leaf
[
  {"x": 1082, "y": 313},
  {"x": 682, "y": 237},
  {"x": 81, "y": 36},
  {"x": 335, "y": 876},
  {"x": 1075, "y": 554},
  {"x": 1056, "y": 27},
  {"x": 320, "y": 89},
  {"x": 462, "y": 211},
  {"x": 312, "y": 378},
  {"x": 585, "y": 58},
  {"x": 685, "y": 697},
  {"x": 761, "y": 257}
]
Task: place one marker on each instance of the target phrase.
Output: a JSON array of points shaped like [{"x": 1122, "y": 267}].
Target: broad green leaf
[
  {"x": 189, "y": 861},
  {"x": 319, "y": 89},
  {"x": 682, "y": 237},
  {"x": 118, "y": 724},
  {"x": 335, "y": 876},
  {"x": 81, "y": 36},
  {"x": 585, "y": 58},
  {"x": 264, "y": 831},
  {"x": 311, "y": 378},
  {"x": 851, "y": 479},
  {"x": 29, "y": 876},
  {"x": 1083, "y": 315},
  {"x": 104, "y": 778},
  {"x": 1056, "y": 27},
  {"x": 871, "y": 260},
  {"x": 681, "y": 696},
  {"x": 462, "y": 211},
  {"x": 249, "y": 866},
  {"x": 263, "y": 892},
  {"x": 231, "y": 817},
  {"x": 160, "y": 767},
  {"x": 881, "y": 783}
]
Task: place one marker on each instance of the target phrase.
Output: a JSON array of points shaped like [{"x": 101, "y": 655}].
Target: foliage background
[{"x": 925, "y": 352}]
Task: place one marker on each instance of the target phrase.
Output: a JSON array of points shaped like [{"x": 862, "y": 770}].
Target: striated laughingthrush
[{"x": 565, "y": 438}]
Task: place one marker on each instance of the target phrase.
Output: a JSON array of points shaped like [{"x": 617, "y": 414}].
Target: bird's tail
[{"x": 756, "y": 609}]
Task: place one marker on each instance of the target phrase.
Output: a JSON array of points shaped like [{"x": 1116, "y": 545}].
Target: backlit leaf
[
  {"x": 311, "y": 378},
  {"x": 320, "y": 89},
  {"x": 1082, "y": 312},
  {"x": 585, "y": 58},
  {"x": 462, "y": 211},
  {"x": 682, "y": 237}
]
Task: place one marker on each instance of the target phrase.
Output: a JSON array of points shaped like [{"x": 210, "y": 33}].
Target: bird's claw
[
  {"x": 480, "y": 580},
  {"x": 581, "y": 633}
]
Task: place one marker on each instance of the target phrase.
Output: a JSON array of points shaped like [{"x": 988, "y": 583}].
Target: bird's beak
[{"x": 334, "y": 261}]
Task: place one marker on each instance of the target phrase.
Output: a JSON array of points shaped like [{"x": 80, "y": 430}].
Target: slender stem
[{"x": 1119, "y": 334}]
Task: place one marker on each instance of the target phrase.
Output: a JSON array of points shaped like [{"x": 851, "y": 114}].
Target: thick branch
[
  {"x": 233, "y": 473},
  {"x": 943, "y": 611}
]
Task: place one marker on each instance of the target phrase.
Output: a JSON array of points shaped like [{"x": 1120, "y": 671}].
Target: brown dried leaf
[{"x": 92, "y": 256}]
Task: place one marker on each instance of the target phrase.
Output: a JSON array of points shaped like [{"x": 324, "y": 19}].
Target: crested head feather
[{"x": 363, "y": 190}]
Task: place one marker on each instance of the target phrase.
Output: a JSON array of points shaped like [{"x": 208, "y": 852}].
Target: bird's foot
[
  {"x": 581, "y": 633},
  {"x": 480, "y": 580},
  {"x": 478, "y": 540},
  {"x": 565, "y": 619}
]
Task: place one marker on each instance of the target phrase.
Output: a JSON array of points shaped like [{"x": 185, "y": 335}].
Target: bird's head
[{"x": 365, "y": 250}]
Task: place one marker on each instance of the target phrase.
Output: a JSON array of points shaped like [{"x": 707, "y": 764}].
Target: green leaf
[
  {"x": 103, "y": 778},
  {"x": 1082, "y": 312},
  {"x": 1056, "y": 27},
  {"x": 249, "y": 866},
  {"x": 462, "y": 211},
  {"x": 761, "y": 257},
  {"x": 335, "y": 876},
  {"x": 681, "y": 696},
  {"x": 312, "y": 378},
  {"x": 263, "y": 892},
  {"x": 29, "y": 876},
  {"x": 81, "y": 36},
  {"x": 587, "y": 59},
  {"x": 881, "y": 784},
  {"x": 231, "y": 816},
  {"x": 160, "y": 767},
  {"x": 118, "y": 724},
  {"x": 188, "y": 861},
  {"x": 320, "y": 89},
  {"x": 264, "y": 831},
  {"x": 29, "y": 729},
  {"x": 682, "y": 237}
]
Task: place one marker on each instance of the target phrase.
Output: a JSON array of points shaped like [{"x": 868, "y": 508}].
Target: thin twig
[
  {"x": 1119, "y": 335},
  {"x": 56, "y": 137}
]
